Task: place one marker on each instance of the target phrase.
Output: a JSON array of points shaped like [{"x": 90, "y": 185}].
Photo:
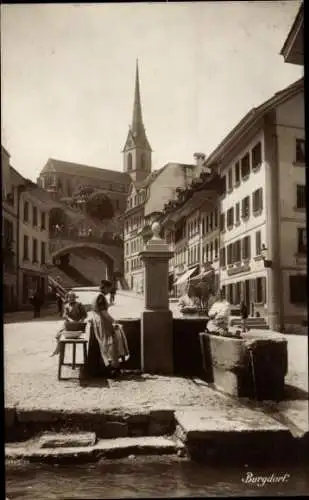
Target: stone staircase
[
  {"x": 252, "y": 322},
  {"x": 198, "y": 433}
]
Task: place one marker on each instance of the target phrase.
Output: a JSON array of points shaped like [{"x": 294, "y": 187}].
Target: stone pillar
[{"x": 157, "y": 319}]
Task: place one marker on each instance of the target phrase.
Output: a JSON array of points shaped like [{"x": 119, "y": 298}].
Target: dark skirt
[{"x": 95, "y": 366}]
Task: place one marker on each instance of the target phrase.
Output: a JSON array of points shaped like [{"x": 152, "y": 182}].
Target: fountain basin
[{"x": 253, "y": 367}]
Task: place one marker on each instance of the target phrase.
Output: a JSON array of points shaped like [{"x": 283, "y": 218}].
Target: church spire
[
  {"x": 137, "y": 121},
  {"x": 137, "y": 150}
]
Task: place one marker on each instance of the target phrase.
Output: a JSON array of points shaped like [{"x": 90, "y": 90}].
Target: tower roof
[
  {"x": 137, "y": 121},
  {"x": 137, "y": 135}
]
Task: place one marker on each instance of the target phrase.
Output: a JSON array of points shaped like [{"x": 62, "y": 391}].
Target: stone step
[
  {"x": 236, "y": 434},
  {"x": 32, "y": 450},
  {"x": 27, "y": 423}
]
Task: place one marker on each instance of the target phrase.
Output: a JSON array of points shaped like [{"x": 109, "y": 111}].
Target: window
[
  {"x": 237, "y": 213},
  {"x": 222, "y": 257},
  {"x": 43, "y": 220},
  {"x": 237, "y": 173},
  {"x": 230, "y": 217},
  {"x": 229, "y": 254},
  {"x": 300, "y": 151},
  {"x": 245, "y": 166},
  {"x": 26, "y": 247},
  {"x": 300, "y": 196},
  {"x": 207, "y": 224},
  {"x": 215, "y": 219},
  {"x": 43, "y": 252},
  {"x": 260, "y": 290},
  {"x": 34, "y": 250},
  {"x": 222, "y": 222},
  {"x": 216, "y": 248},
  {"x": 258, "y": 243},
  {"x": 224, "y": 183},
  {"x": 257, "y": 201},
  {"x": 34, "y": 216},
  {"x": 302, "y": 240},
  {"x": 223, "y": 289},
  {"x": 26, "y": 211},
  {"x": 236, "y": 251},
  {"x": 229, "y": 291},
  {"x": 230, "y": 179},
  {"x": 211, "y": 221},
  {"x": 298, "y": 289},
  {"x": 8, "y": 231},
  {"x": 204, "y": 255},
  {"x": 245, "y": 208},
  {"x": 129, "y": 162},
  {"x": 256, "y": 155},
  {"x": 211, "y": 249},
  {"x": 246, "y": 247},
  {"x": 135, "y": 200},
  {"x": 237, "y": 293},
  {"x": 203, "y": 226}
]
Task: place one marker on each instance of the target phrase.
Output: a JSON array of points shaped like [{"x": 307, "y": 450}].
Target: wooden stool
[{"x": 62, "y": 344}]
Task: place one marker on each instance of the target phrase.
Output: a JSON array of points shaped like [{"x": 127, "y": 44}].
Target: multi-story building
[
  {"x": 25, "y": 213},
  {"x": 9, "y": 234},
  {"x": 33, "y": 254},
  {"x": 149, "y": 191},
  {"x": 191, "y": 226},
  {"x": 262, "y": 216}
]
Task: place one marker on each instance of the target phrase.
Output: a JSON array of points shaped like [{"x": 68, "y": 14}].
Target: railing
[
  {"x": 107, "y": 238},
  {"x": 55, "y": 285}
]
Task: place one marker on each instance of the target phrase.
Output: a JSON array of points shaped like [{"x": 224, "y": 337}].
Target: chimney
[{"x": 199, "y": 159}]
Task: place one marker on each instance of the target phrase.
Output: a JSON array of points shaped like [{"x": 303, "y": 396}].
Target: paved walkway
[{"x": 31, "y": 374}]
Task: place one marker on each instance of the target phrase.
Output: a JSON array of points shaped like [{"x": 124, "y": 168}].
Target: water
[{"x": 141, "y": 477}]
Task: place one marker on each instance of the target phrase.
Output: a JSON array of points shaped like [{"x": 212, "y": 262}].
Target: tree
[
  {"x": 83, "y": 192},
  {"x": 58, "y": 217},
  {"x": 99, "y": 206}
]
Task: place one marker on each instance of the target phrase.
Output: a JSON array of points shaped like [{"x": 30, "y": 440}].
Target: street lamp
[{"x": 264, "y": 253}]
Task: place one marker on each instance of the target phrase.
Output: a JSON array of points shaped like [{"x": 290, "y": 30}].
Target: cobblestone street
[{"x": 31, "y": 374}]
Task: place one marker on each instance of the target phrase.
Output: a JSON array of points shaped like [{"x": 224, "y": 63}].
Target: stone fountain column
[{"x": 156, "y": 319}]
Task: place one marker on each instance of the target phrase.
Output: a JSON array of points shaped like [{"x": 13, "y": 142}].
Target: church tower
[{"x": 137, "y": 150}]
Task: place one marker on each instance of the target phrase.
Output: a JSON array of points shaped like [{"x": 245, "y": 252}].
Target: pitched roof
[
  {"x": 149, "y": 179},
  {"x": 298, "y": 21},
  {"x": 252, "y": 117},
  {"x": 81, "y": 170},
  {"x": 196, "y": 201},
  {"x": 155, "y": 174}
]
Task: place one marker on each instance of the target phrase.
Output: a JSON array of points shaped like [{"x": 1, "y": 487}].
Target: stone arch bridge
[{"x": 111, "y": 251}]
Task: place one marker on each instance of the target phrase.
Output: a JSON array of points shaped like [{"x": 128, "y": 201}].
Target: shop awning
[{"x": 184, "y": 277}]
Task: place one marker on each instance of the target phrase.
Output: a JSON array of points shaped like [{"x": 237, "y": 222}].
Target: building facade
[
  {"x": 9, "y": 234},
  {"x": 33, "y": 252},
  {"x": 262, "y": 211},
  {"x": 191, "y": 226}
]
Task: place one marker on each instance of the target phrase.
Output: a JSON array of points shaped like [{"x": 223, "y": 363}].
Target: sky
[{"x": 68, "y": 74}]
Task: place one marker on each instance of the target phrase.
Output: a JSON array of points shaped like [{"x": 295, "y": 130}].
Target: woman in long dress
[{"x": 108, "y": 346}]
